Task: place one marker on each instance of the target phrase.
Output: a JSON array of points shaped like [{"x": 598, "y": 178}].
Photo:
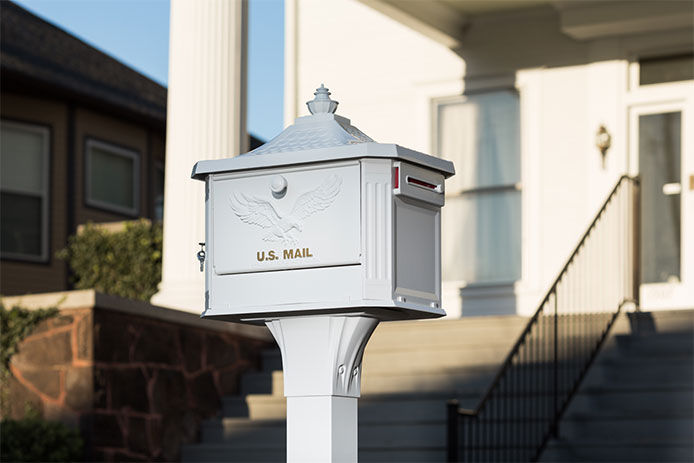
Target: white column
[
  {"x": 205, "y": 120},
  {"x": 321, "y": 359}
]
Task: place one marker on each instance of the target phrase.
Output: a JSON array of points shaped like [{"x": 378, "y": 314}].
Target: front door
[{"x": 661, "y": 154}]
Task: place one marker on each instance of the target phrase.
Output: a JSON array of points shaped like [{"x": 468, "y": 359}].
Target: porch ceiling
[
  {"x": 446, "y": 21},
  {"x": 473, "y": 7}
]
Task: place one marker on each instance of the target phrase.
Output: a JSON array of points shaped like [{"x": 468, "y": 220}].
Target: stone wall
[{"x": 137, "y": 382}]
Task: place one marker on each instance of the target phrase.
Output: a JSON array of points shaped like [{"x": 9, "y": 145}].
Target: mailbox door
[{"x": 288, "y": 218}]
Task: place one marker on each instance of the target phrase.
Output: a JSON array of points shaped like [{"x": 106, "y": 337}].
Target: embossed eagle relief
[{"x": 255, "y": 211}]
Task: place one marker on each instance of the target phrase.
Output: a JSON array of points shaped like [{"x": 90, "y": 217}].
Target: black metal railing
[{"x": 521, "y": 409}]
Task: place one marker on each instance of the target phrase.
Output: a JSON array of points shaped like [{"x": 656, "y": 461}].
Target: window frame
[
  {"x": 634, "y": 59},
  {"x": 478, "y": 191},
  {"x": 119, "y": 150},
  {"x": 45, "y": 195}
]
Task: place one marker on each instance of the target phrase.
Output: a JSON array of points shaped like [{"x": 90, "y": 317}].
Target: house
[
  {"x": 83, "y": 140},
  {"x": 518, "y": 94},
  {"x": 569, "y": 123},
  {"x": 545, "y": 106}
]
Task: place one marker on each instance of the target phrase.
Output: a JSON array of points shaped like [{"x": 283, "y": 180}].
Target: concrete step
[
  {"x": 632, "y": 404},
  {"x": 246, "y": 434},
  {"x": 628, "y": 428},
  {"x": 264, "y": 382},
  {"x": 444, "y": 358},
  {"x": 422, "y": 360},
  {"x": 669, "y": 450},
  {"x": 676, "y": 369},
  {"x": 215, "y": 453},
  {"x": 452, "y": 380},
  {"x": 415, "y": 335},
  {"x": 218, "y": 452},
  {"x": 635, "y": 405},
  {"x": 656, "y": 345},
  {"x": 661, "y": 321},
  {"x": 414, "y": 455},
  {"x": 372, "y": 408},
  {"x": 629, "y": 373}
]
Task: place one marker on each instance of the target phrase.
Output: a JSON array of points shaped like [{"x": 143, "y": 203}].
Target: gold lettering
[{"x": 288, "y": 254}]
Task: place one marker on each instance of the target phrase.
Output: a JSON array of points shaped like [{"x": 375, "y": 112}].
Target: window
[
  {"x": 481, "y": 223},
  {"x": 159, "y": 192},
  {"x": 24, "y": 191},
  {"x": 666, "y": 69},
  {"x": 112, "y": 177}
]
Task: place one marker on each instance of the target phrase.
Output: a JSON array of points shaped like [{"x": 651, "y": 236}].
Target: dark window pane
[
  {"x": 20, "y": 224},
  {"x": 659, "y": 165},
  {"x": 111, "y": 178},
  {"x": 666, "y": 69},
  {"x": 158, "y": 194}
]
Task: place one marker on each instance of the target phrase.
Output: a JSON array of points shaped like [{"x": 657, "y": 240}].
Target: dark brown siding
[
  {"x": 89, "y": 124},
  {"x": 18, "y": 277}
]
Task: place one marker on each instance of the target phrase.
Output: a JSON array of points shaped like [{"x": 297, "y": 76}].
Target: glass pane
[
  {"x": 158, "y": 194},
  {"x": 666, "y": 69},
  {"x": 20, "y": 225},
  {"x": 659, "y": 164},
  {"x": 112, "y": 178},
  {"x": 481, "y": 236},
  {"x": 481, "y": 135},
  {"x": 22, "y": 154}
]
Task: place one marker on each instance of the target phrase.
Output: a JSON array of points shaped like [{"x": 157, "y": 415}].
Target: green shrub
[
  {"x": 33, "y": 439},
  {"x": 124, "y": 263}
]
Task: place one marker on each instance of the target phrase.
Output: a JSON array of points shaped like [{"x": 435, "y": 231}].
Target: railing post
[
  {"x": 453, "y": 445},
  {"x": 636, "y": 262},
  {"x": 555, "y": 427}
]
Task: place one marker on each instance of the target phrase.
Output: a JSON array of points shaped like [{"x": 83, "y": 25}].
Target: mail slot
[{"x": 323, "y": 220}]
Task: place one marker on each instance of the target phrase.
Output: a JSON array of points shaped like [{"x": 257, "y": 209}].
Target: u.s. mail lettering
[{"x": 287, "y": 254}]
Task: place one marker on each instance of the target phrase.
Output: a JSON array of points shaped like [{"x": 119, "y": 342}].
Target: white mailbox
[{"x": 323, "y": 220}]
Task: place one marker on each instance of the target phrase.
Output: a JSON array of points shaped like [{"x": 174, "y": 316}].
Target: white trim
[
  {"x": 44, "y": 194},
  {"x": 680, "y": 294},
  {"x": 291, "y": 51},
  {"x": 119, "y": 151}
]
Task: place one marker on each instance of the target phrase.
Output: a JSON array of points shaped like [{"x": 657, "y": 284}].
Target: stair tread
[{"x": 617, "y": 411}]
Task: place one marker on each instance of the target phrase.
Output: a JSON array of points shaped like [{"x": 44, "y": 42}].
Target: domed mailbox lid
[
  {"x": 314, "y": 221},
  {"x": 320, "y": 137}
]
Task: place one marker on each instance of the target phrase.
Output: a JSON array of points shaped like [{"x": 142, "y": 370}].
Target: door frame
[{"x": 665, "y": 98}]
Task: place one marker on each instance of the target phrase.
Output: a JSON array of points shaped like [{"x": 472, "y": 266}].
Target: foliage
[
  {"x": 33, "y": 439},
  {"x": 15, "y": 325},
  {"x": 124, "y": 263}
]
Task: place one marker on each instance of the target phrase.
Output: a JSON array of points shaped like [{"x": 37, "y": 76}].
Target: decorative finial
[{"x": 322, "y": 102}]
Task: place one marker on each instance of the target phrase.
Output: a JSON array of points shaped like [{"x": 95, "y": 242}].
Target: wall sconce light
[{"x": 603, "y": 141}]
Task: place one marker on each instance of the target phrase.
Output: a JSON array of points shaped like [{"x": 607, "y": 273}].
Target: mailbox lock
[
  {"x": 278, "y": 185},
  {"x": 201, "y": 256}
]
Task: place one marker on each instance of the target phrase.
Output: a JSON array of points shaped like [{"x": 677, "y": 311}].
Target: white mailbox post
[{"x": 320, "y": 234}]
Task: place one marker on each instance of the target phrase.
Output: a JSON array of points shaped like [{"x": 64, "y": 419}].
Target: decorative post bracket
[{"x": 321, "y": 358}]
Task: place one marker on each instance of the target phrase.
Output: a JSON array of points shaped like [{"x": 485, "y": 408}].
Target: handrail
[{"x": 625, "y": 206}]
